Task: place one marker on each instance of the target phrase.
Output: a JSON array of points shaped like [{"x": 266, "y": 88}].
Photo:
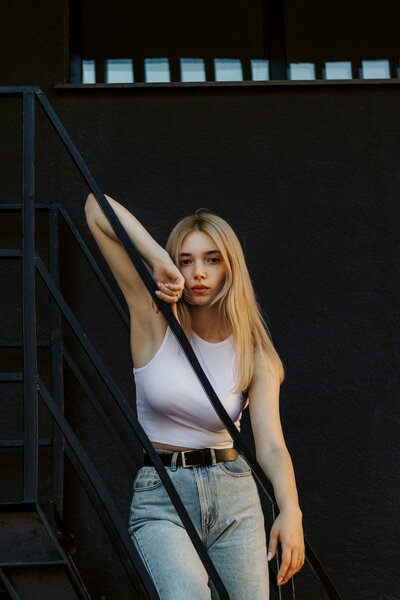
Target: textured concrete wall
[{"x": 308, "y": 176}]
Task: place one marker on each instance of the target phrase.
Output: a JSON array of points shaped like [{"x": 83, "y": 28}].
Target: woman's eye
[
  {"x": 214, "y": 259},
  {"x": 184, "y": 262}
]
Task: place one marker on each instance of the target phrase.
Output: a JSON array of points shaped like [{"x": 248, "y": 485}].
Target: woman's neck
[{"x": 206, "y": 324}]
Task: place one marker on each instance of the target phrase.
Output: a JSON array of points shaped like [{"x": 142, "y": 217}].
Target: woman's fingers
[
  {"x": 169, "y": 292},
  {"x": 292, "y": 567},
  {"x": 284, "y": 569},
  {"x": 288, "y": 569},
  {"x": 287, "y": 529}
]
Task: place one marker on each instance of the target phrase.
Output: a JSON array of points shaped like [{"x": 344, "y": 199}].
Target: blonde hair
[{"x": 238, "y": 310}]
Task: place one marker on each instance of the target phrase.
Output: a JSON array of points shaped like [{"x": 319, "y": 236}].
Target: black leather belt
[{"x": 194, "y": 458}]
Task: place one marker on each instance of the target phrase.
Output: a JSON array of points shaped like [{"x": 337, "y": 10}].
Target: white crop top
[{"x": 172, "y": 406}]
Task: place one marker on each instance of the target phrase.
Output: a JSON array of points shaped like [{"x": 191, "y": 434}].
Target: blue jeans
[{"x": 223, "y": 502}]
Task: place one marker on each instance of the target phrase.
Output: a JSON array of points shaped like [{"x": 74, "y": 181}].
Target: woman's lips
[{"x": 199, "y": 288}]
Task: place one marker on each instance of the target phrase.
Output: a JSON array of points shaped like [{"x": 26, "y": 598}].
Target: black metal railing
[{"x": 33, "y": 385}]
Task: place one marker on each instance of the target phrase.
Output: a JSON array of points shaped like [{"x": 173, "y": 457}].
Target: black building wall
[{"x": 308, "y": 176}]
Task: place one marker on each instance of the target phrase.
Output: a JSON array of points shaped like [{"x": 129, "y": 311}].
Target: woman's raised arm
[{"x": 163, "y": 269}]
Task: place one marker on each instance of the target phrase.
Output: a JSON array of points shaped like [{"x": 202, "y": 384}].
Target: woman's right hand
[{"x": 170, "y": 281}]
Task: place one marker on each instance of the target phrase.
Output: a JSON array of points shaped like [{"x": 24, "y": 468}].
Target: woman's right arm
[{"x": 135, "y": 293}]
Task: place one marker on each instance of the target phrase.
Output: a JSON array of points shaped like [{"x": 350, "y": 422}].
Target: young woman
[{"x": 203, "y": 274}]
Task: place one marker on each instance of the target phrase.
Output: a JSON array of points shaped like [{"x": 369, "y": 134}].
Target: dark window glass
[
  {"x": 155, "y": 36},
  {"x": 233, "y": 40}
]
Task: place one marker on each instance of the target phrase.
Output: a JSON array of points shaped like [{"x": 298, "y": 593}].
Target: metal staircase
[{"x": 35, "y": 549}]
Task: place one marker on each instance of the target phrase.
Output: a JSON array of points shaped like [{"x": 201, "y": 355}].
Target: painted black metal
[
  {"x": 294, "y": 83},
  {"x": 28, "y": 301},
  {"x": 17, "y": 90},
  {"x": 94, "y": 401},
  {"x": 19, "y": 344},
  {"x": 102, "y": 500},
  {"x": 29, "y": 541},
  {"x": 74, "y": 40},
  {"x": 315, "y": 564},
  {"x": 137, "y": 429},
  {"x": 69, "y": 566},
  {"x": 276, "y": 38},
  {"x": 25, "y": 539},
  {"x": 12, "y": 377},
  {"x": 35, "y": 563},
  {"x": 20, "y": 443},
  {"x": 56, "y": 364},
  {"x": 17, "y": 206},
  {"x": 8, "y": 586},
  {"x": 10, "y": 253}
]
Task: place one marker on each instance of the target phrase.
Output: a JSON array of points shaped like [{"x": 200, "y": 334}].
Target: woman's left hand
[{"x": 288, "y": 531}]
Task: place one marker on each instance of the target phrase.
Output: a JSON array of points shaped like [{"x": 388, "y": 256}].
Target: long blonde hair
[{"x": 238, "y": 309}]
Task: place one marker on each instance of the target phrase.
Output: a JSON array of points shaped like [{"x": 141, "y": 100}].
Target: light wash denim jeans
[{"x": 223, "y": 502}]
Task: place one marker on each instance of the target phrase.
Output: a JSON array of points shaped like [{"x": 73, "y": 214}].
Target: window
[
  {"x": 156, "y": 41},
  {"x": 152, "y": 41}
]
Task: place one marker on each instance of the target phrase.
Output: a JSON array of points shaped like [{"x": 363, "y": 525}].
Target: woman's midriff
[{"x": 168, "y": 447}]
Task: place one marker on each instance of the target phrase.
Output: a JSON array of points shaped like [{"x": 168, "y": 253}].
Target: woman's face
[{"x": 203, "y": 267}]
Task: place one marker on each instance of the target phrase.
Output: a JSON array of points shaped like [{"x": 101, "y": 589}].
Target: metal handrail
[
  {"x": 29, "y": 315},
  {"x": 100, "y": 497}
]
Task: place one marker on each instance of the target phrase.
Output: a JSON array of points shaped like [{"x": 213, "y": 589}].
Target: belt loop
[
  {"x": 173, "y": 461},
  {"x": 213, "y": 457}
]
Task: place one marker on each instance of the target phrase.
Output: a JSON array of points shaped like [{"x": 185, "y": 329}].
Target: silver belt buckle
[{"x": 184, "y": 459}]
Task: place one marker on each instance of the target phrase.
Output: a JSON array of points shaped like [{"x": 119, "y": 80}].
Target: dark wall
[{"x": 308, "y": 176}]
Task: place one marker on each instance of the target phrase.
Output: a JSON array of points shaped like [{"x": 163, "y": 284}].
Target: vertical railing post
[
  {"x": 274, "y": 22},
  {"x": 28, "y": 301},
  {"x": 56, "y": 363},
  {"x": 75, "y": 34}
]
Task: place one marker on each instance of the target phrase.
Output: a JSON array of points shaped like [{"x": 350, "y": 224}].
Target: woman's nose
[{"x": 199, "y": 269}]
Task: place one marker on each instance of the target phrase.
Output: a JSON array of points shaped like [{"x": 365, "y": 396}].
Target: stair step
[
  {"x": 33, "y": 564},
  {"x": 41, "y": 583},
  {"x": 24, "y": 539}
]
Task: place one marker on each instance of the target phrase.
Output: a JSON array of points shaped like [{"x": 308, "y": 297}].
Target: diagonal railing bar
[
  {"x": 100, "y": 496},
  {"x": 322, "y": 575},
  {"x": 166, "y": 310},
  {"x": 83, "y": 245},
  {"x": 92, "y": 397},
  {"x": 137, "y": 429},
  {"x": 74, "y": 578},
  {"x": 93, "y": 263},
  {"x": 8, "y": 586}
]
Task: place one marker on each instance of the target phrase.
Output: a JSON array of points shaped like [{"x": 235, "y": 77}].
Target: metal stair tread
[{"x": 24, "y": 538}]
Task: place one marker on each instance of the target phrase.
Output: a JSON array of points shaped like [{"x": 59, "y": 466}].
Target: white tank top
[{"x": 172, "y": 406}]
